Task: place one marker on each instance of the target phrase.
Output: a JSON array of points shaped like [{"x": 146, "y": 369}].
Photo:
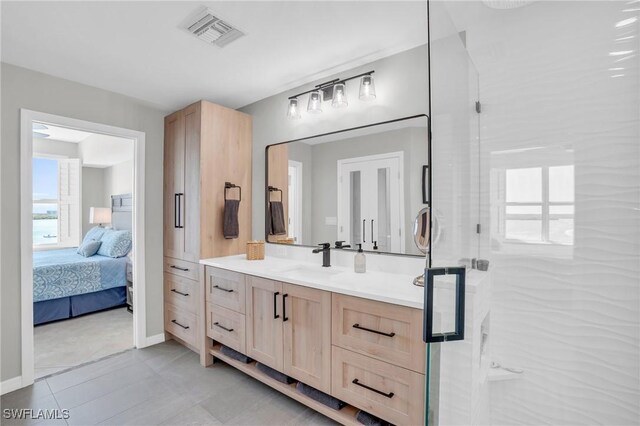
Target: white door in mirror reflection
[
  {"x": 295, "y": 201},
  {"x": 371, "y": 202}
]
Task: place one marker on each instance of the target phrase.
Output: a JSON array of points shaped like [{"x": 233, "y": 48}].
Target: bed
[{"x": 67, "y": 284}]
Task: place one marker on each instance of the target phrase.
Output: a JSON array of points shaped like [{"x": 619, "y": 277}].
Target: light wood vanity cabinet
[
  {"x": 367, "y": 353},
  {"x": 205, "y": 145}
]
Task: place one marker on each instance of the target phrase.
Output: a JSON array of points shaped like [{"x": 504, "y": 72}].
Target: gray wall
[
  {"x": 22, "y": 88},
  {"x": 92, "y": 194},
  {"x": 118, "y": 179},
  {"x": 402, "y": 90}
]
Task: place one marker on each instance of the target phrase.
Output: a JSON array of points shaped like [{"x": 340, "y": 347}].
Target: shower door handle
[
  {"x": 364, "y": 230},
  {"x": 458, "y": 334}
]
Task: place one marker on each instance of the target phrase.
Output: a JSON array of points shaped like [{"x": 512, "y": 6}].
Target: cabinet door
[
  {"x": 190, "y": 201},
  {"x": 174, "y": 144},
  {"x": 307, "y": 335},
  {"x": 264, "y": 321}
]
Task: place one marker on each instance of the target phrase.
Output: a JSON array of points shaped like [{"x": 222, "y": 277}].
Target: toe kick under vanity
[{"x": 329, "y": 328}]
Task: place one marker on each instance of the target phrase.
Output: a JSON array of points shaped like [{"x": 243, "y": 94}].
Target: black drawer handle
[
  {"x": 179, "y": 268},
  {"x": 179, "y": 292},
  {"x": 228, "y": 290},
  {"x": 275, "y": 302},
  {"x": 359, "y": 327},
  {"x": 388, "y": 395},
  {"x": 217, "y": 324},
  {"x": 178, "y": 324}
]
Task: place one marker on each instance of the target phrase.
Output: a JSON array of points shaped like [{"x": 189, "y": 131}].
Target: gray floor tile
[
  {"x": 117, "y": 379},
  {"x": 21, "y": 398},
  {"x": 159, "y": 356},
  {"x": 47, "y": 402},
  {"x": 152, "y": 411},
  {"x": 192, "y": 416},
  {"x": 107, "y": 406},
  {"x": 90, "y": 371},
  {"x": 275, "y": 409}
]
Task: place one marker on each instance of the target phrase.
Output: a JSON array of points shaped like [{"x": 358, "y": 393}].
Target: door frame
[
  {"x": 395, "y": 155},
  {"x": 27, "y": 117}
]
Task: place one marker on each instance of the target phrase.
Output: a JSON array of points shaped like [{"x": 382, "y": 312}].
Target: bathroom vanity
[{"x": 343, "y": 333}]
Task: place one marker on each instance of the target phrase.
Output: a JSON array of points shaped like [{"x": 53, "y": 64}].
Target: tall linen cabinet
[{"x": 205, "y": 145}]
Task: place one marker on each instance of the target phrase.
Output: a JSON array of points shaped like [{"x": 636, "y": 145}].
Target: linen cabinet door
[
  {"x": 264, "y": 321},
  {"x": 174, "y": 143},
  {"x": 190, "y": 200},
  {"x": 307, "y": 335}
]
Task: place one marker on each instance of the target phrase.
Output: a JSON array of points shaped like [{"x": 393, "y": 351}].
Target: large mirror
[{"x": 359, "y": 186}]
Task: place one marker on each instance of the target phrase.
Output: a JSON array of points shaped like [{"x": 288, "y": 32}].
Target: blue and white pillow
[
  {"x": 115, "y": 243},
  {"x": 94, "y": 234},
  {"x": 89, "y": 248}
]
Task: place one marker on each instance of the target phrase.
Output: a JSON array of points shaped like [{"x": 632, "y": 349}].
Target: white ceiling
[
  {"x": 57, "y": 133},
  {"x": 138, "y": 48}
]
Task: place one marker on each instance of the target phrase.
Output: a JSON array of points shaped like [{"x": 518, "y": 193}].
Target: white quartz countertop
[{"x": 374, "y": 285}]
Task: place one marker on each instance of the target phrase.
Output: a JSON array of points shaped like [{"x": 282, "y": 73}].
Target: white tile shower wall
[{"x": 563, "y": 76}]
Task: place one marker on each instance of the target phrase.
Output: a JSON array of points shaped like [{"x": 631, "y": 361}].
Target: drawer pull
[
  {"x": 388, "y": 395},
  {"x": 179, "y": 292},
  {"x": 359, "y": 327},
  {"x": 179, "y": 268},
  {"x": 228, "y": 290},
  {"x": 217, "y": 324},
  {"x": 180, "y": 325}
]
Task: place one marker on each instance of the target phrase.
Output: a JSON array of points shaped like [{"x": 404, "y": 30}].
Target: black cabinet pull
[
  {"x": 275, "y": 301},
  {"x": 284, "y": 307},
  {"x": 217, "y": 324},
  {"x": 364, "y": 233},
  {"x": 359, "y": 327},
  {"x": 179, "y": 268},
  {"x": 228, "y": 290},
  {"x": 180, "y": 195},
  {"x": 178, "y": 324},
  {"x": 179, "y": 292},
  {"x": 175, "y": 211},
  {"x": 388, "y": 395}
]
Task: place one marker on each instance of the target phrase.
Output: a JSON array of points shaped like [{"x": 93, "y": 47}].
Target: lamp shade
[
  {"x": 293, "y": 111},
  {"x": 99, "y": 215},
  {"x": 315, "y": 102},
  {"x": 339, "y": 96},
  {"x": 367, "y": 88}
]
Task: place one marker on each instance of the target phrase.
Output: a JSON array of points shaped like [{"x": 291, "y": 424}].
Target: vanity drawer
[
  {"x": 226, "y": 289},
  {"x": 181, "y": 324},
  {"x": 181, "y": 268},
  {"x": 387, "y": 332},
  {"x": 392, "y": 393},
  {"x": 226, "y": 326},
  {"x": 181, "y": 293}
]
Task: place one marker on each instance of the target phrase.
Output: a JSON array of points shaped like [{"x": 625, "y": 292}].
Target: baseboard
[
  {"x": 10, "y": 385},
  {"x": 152, "y": 340}
]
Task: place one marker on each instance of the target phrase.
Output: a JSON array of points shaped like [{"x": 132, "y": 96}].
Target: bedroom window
[
  {"x": 537, "y": 205},
  {"x": 56, "y": 202}
]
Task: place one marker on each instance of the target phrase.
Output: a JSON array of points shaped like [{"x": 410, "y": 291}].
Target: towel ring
[
  {"x": 229, "y": 185},
  {"x": 274, "y": 189}
]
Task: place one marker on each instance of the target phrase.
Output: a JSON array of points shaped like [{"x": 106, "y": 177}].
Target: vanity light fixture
[
  {"x": 293, "y": 112},
  {"x": 335, "y": 91},
  {"x": 367, "y": 88},
  {"x": 315, "y": 102}
]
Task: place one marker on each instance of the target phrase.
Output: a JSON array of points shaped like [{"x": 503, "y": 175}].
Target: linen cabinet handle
[
  {"x": 370, "y": 330},
  {"x": 179, "y": 292},
  {"x": 180, "y": 195},
  {"x": 179, "y": 268},
  {"x": 275, "y": 302},
  {"x": 388, "y": 395},
  {"x": 217, "y": 324},
  {"x": 180, "y": 325},
  {"x": 284, "y": 307}
]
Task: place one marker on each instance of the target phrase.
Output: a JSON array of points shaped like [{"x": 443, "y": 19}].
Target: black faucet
[
  {"x": 326, "y": 253},
  {"x": 341, "y": 245}
]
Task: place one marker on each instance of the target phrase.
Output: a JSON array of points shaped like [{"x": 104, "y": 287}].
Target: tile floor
[
  {"x": 69, "y": 343},
  {"x": 160, "y": 385}
]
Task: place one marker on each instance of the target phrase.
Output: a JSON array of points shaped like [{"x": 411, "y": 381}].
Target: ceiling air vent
[{"x": 211, "y": 29}]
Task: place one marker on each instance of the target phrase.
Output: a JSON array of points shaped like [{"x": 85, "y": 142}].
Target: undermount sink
[{"x": 308, "y": 271}]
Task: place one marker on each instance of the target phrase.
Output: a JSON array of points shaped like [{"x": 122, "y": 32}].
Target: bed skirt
[{"x": 73, "y": 306}]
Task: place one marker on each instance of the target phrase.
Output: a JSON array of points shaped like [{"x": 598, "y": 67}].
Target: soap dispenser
[{"x": 360, "y": 261}]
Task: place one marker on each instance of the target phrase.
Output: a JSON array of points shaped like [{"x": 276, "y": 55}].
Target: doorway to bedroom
[{"x": 80, "y": 263}]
